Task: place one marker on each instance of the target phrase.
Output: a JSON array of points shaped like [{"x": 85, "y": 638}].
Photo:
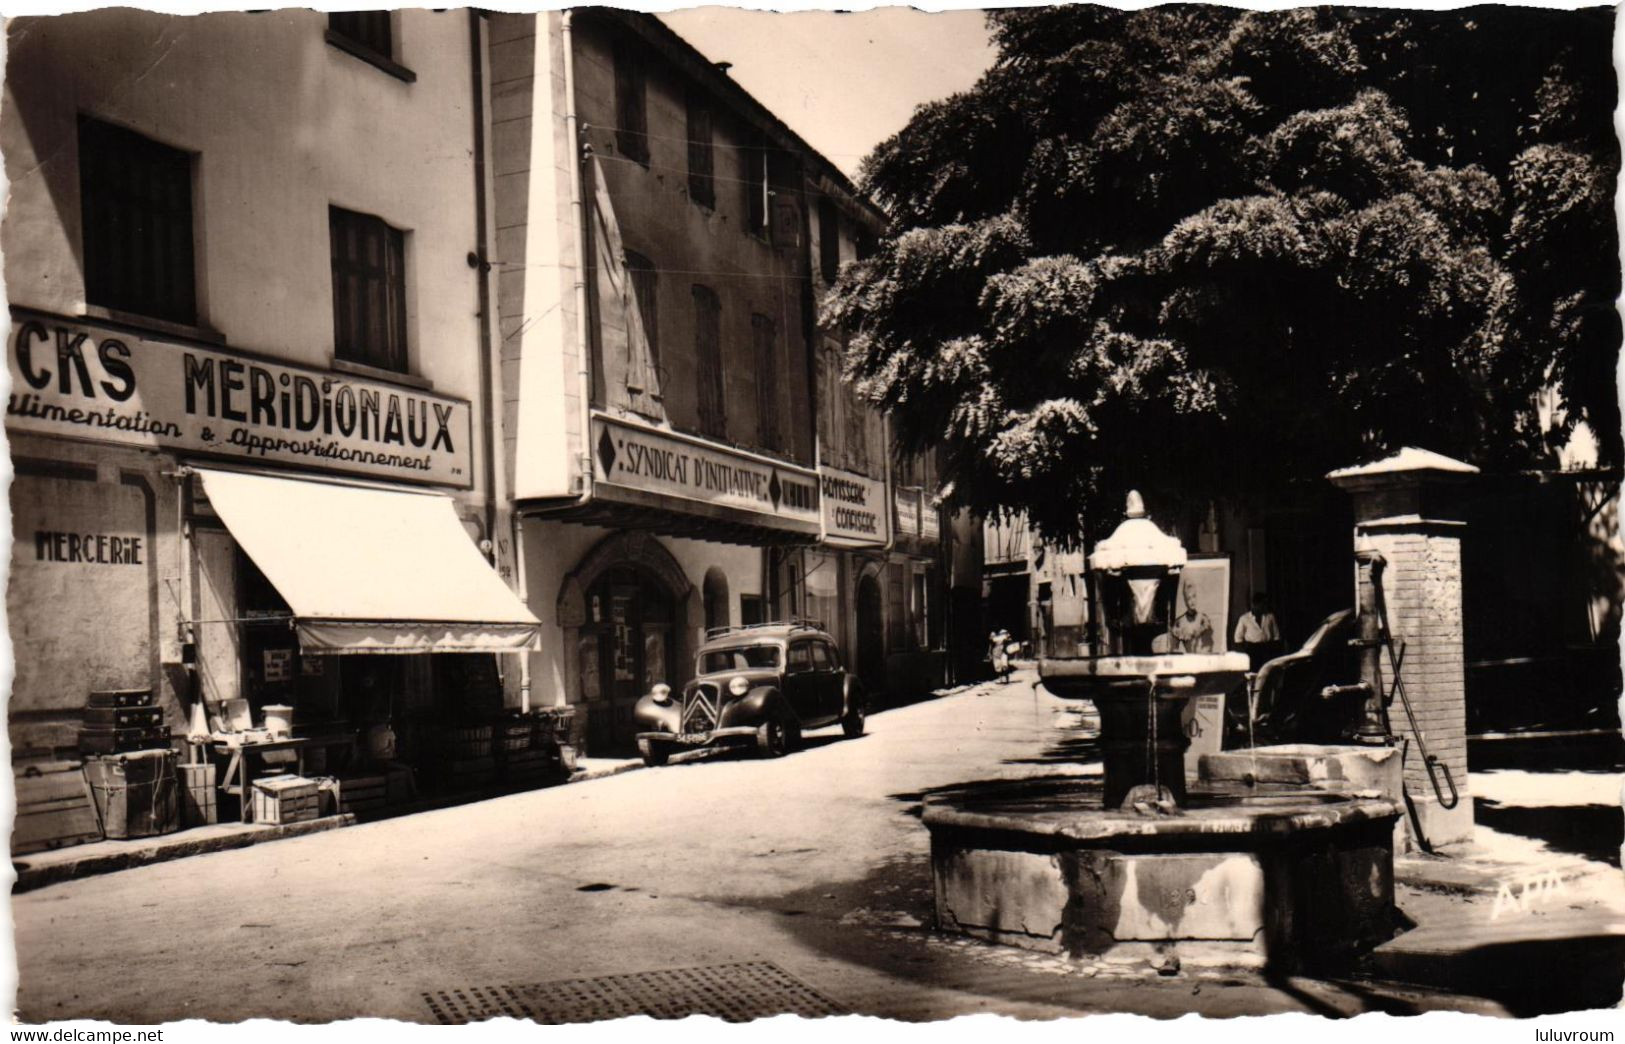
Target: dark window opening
[
  {"x": 767, "y": 381},
  {"x": 829, "y": 240},
  {"x": 754, "y": 185},
  {"x": 631, "y": 105},
  {"x": 136, "y": 205},
  {"x": 369, "y": 29},
  {"x": 708, "y": 362},
  {"x": 701, "y": 154},
  {"x": 369, "y": 290}
]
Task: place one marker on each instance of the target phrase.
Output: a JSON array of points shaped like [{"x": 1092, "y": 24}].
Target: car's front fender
[
  {"x": 853, "y": 695},
  {"x": 651, "y": 716},
  {"x": 755, "y": 707}
]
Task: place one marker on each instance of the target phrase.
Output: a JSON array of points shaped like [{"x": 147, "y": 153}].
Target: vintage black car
[{"x": 763, "y": 685}]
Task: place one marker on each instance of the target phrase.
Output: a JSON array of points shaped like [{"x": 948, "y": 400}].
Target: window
[
  {"x": 919, "y": 615},
  {"x": 820, "y": 657},
  {"x": 644, "y": 288},
  {"x": 753, "y": 182},
  {"x": 701, "y": 157},
  {"x": 631, "y": 112},
  {"x": 136, "y": 202},
  {"x": 369, "y": 29},
  {"x": 369, "y": 36},
  {"x": 767, "y": 381},
  {"x": 708, "y": 362},
  {"x": 829, "y": 240},
  {"x": 800, "y": 658},
  {"x": 369, "y": 290}
]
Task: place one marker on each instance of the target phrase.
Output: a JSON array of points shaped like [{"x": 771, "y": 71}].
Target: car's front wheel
[
  {"x": 852, "y": 721},
  {"x": 772, "y": 739},
  {"x": 654, "y": 754}
]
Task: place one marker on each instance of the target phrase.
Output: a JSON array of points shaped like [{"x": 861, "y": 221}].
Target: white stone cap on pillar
[{"x": 1407, "y": 466}]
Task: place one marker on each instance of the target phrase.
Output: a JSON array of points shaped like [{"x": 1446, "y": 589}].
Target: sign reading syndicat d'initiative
[
  {"x": 655, "y": 462},
  {"x": 79, "y": 380}
]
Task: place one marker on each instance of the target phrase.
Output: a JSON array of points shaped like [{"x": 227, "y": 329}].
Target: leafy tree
[{"x": 1220, "y": 251}]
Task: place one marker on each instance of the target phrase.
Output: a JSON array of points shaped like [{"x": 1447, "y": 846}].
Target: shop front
[
  {"x": 670, "y": 542},
  {"x": 240, "y": 551}
]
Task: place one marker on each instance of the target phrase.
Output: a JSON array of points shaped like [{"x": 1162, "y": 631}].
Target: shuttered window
[
  {"x": 370, "y": 29},
  {"x": 753, "y": 184},
  {"x": 136, "y": 205},
  {"x": 631, "y": 104},
  {"x": 369, "y": 290},
  {"x": 767, "y": 381},
  {"x": 829, "y": 240},
  {"x": 708, "y": 362},
  {"x": 644, "y": 287},
  {"x": 701, "y": 154}
]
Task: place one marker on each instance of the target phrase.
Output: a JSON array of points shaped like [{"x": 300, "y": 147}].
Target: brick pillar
[{"x": 1407, "y": 533}]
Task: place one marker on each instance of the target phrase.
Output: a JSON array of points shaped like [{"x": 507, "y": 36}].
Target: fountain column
[{"x": 1407, "y": 539}]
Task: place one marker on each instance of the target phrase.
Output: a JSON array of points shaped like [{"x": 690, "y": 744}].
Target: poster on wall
[
  {"x": 1202, "y": 625},
  {"x": 278, "y": 665},
  {"x": 588, "y": 650}
]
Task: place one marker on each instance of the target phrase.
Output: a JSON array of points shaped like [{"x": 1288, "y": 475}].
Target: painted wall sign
[
  {"x": 82, "y": 380},
  {"x": 650, "y": 461},
  {"x": 855, "y": 512},
  {"x": 90, "y": 548}
]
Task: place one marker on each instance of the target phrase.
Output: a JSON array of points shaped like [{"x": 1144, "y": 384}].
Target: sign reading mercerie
[
  {"x": 855, "y": 512},
  {"x": 79, "y": 380},
  {"x": 651, "y": 461}
]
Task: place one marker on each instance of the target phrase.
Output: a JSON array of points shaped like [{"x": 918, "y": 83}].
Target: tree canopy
[{"x": 1222, "y": 251}]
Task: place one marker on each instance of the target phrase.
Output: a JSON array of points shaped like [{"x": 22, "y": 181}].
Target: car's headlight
[
  {"x": 661, "y": 693},
  {"x": 739, "y": 685}
]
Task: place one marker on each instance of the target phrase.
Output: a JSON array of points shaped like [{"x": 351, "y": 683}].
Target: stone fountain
[{"x": 1139, "y": 863}]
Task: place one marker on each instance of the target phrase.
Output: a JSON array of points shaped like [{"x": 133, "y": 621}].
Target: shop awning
[{"x": 369, "y": 570}]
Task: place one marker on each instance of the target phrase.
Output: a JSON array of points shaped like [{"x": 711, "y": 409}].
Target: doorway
[
  {"x": 871, "y": 635},
  {"x": 627, "y": 647}
]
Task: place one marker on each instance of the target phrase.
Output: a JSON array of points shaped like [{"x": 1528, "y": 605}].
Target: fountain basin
[
  {"x": 1141, "y": 700},
  {"x": 1289, "y": 877}
]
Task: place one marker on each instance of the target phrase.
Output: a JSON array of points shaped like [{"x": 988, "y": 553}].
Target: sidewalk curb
[
  {"x": 1469, "y": 880},
  {"x": 160, "y": 850},
  {"x": 587, "y": 775}
]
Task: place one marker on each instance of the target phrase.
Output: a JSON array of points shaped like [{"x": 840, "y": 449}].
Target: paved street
[{"x": 816, "y": 863}]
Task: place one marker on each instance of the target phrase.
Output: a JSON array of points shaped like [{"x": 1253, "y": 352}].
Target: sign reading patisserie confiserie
[
  {"x": 82, "y": 380},
  {"x": 649, "y": 461},
  {"x": 855, "y": 512}
]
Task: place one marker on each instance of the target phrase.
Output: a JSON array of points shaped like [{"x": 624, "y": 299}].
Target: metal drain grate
[{"x": 732, "y": 992}]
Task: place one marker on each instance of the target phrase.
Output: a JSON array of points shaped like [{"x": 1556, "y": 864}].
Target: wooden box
[
  {"x": 54, "y": 808},
  {"x": 135, "y": 794},
  {"x": 199, "y": 795},
  {"x": 121, "y": 698},
  {"x": 363, "y": 793},
  {"x": 469, "y": 742},
  {"x": 124, "y": 717},
  {"x": 285, "y": 799},
  {"x": 99, "y": 740}
]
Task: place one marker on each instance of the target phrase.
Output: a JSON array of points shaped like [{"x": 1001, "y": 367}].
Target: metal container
[{"x": 136, "y": 795}]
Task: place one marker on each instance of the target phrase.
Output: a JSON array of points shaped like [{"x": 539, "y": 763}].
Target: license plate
[{"x": 693, "y": 737}]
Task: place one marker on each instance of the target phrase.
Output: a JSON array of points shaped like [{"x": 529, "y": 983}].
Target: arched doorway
[
  {"x": 718, "y": 613},
  {"x": 628, "y": 615},
  {"x": 629, "y": 632},
  {"x": 871, "y": 635}
]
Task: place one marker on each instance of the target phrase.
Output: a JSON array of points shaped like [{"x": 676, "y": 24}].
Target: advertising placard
[
  {"x": 855, "y": 512},
  {"x": 80, "y": 379}
]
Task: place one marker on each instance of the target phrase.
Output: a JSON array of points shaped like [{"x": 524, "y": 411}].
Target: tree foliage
[{"x": 1220, "y": 251}]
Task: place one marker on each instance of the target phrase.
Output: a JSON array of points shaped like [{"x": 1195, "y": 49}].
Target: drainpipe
[
  {"x": 578, "y": 211},
  {"x": 482, "y": 269}
]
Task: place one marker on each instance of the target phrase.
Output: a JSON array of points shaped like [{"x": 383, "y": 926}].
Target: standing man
[{"x": 1257, "y": 634}]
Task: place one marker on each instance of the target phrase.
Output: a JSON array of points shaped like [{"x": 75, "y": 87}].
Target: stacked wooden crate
[
  {"x": 367, "y": 790},
  {"x": 199, "y": 794},
  {"x": 519, "y": 762},
  {"x": 285, "y": 799},
  {"x": 54, "y": 808},
  {"x": 468, "y": 763}
]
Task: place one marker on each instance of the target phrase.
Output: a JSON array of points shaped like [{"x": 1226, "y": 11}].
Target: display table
[{"x": 238, "y": 776}]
